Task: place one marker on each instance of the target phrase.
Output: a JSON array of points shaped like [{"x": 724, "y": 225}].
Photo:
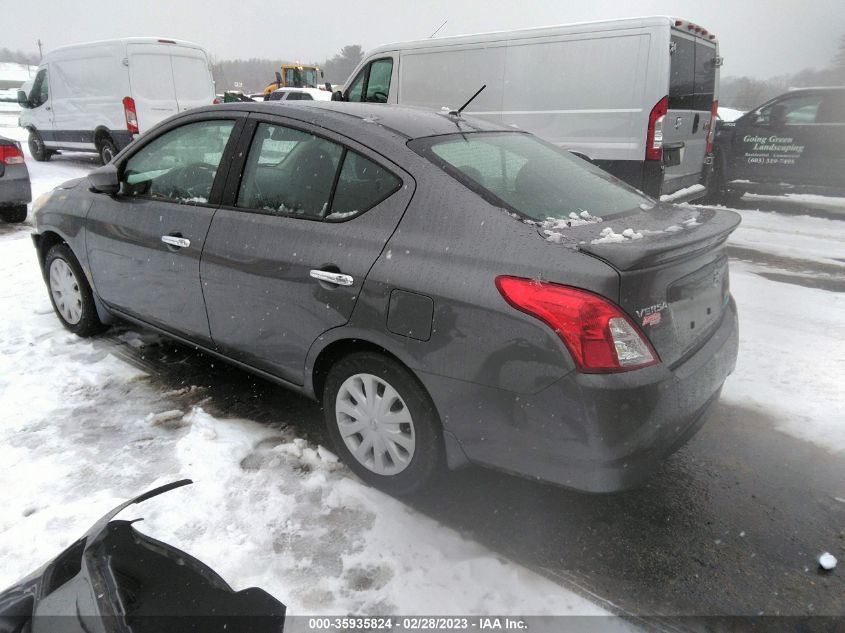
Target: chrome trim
[
  {"x": 179, "y": 242},
  {"x": 333, "y": 278}
]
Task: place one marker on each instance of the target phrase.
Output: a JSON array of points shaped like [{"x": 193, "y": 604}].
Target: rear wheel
[
  {"x": 717, "y": 190},
  {"x": 383, "y": 423},
  {"x": 70, "y": 293},
  {"x": 37, "y": 148},
  {"x": 13, "y": 215},
  {"x": 106, "y": 149}
]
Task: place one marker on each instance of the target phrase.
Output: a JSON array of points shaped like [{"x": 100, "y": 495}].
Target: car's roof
[
  {"x": 346, "y": 118},
  {"x": 291, "y": 89}
]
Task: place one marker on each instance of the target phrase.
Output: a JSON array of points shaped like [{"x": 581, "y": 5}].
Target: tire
[
  {"x": 717, "y": 191},
  {"x": 106, "y": 149},
  {"x": 36, "y": 147},
  {"x": 405, "y": 465},
  {"x": 14, "y": 215},
  {"x": 70, "y": 293}
]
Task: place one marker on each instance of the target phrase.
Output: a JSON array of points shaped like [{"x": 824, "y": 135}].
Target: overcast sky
[{"x": 760, "y": 38}]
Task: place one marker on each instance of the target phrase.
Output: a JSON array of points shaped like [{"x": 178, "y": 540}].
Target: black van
[{"x": 793, "y": 143}]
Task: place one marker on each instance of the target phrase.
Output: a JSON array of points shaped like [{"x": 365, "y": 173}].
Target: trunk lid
[{"x": 672, "y": 266}]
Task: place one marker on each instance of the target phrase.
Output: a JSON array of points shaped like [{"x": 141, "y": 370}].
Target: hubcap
[
  {"x": 375, "y": 424},
  {"x": 65, "y": 290},
  {"x": 108, "y": 154}
]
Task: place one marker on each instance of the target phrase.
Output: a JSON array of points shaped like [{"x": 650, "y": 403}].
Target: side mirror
[
  {"x": 105, "y": 179},
  {"x": 23, "y": 100},
  {"x": 328, "y": 86},
  {"x": 337, "y": 95}
]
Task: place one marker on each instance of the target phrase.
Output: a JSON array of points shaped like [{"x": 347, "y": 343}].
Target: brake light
[
  {"x": 711, "y": 131},
  {"x": 131, "y": 115},
  {"x": 598, "y": 335},
  {"x": 654, "y": 135},
  {"x": 11, "y": 155},
  {"x": 216, "y": 101}
]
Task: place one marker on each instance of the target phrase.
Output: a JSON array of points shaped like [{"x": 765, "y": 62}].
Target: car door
[
  {"x": 144, "y": 243},
  {"x": 287, "y": 253},
  {"x": 830, "y": 121},
  {"x": 778, "y": 142}
]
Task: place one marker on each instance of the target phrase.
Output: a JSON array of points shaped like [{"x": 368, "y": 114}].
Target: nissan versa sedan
[
  {"x": 452, "y": 291},
  {"x": 15, "y": 191}
]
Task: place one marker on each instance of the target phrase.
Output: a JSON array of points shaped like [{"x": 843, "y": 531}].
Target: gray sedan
[
  {"x": 15, "y": 191},
  {"x": 452, "y": 291}
]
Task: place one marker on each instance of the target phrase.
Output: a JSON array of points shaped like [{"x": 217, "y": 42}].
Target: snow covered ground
[{"x": 81, "y": 430}]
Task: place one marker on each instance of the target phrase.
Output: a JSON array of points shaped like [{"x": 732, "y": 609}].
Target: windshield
[{"x": 526, "y": 175}]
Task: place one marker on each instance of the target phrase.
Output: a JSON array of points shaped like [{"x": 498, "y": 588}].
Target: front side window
[
  {"x": 832, "y": 109},
  {"x": 372, "y": 84},
  {"x": 40, "y": 91},
  {"x": 179, "y": 166},
  {"x": 537, "y": 180},
  {"x": 293, "y": 173},
  {"x": 797, "y": 110}
]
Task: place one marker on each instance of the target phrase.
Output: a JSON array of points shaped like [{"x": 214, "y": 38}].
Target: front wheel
[
  {"x": 383, "y": 423},
  {"x": 70, "y": 293},
  {"x": 37, "y": 148}
]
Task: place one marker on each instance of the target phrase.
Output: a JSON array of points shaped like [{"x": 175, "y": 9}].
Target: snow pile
[
  {"x": 609, "y": 236},
  {"x": 552, "y": 226},
  {"x": 827, "y": 561}
]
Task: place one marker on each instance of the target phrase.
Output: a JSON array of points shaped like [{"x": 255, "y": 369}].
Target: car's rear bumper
[
  {"x": 14, "y": 186},
  {"x": 592, "y": 432}
]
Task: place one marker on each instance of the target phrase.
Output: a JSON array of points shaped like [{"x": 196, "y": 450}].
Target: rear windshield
[
  {"x": 526, "y": 175},
  {"x": 692, "y": 78}
]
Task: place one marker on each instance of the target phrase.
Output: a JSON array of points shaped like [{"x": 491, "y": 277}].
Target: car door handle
[
  {"x": 333, "y": 278},
  {"x": 176, "y": 240}
]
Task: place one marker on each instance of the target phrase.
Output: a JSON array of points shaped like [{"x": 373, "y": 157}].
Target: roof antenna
[
  {"x": 470, "y": 100},
  {"x": 438, "y": 29}
]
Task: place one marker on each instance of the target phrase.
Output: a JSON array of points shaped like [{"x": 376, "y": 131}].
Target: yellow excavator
[{"x": 296, "y": 76}]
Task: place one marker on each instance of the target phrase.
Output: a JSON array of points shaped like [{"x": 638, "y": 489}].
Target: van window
[
  {"x": 289, "y": 172},
  {"x": 191, "y": 79},
  {"x": 372, "y": 84},
  {"x": 705, "y": 76},
  {"x": 40, "y": 92},
  {"x": 529, "y": 176},
  {"x": 681, "y": 73},
  {"x": 179, "y": 165}
]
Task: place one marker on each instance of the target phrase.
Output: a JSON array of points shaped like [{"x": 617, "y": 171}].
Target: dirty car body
[
  {"x": 116, "y": 579},
  {"x": 450, "y": 273}
]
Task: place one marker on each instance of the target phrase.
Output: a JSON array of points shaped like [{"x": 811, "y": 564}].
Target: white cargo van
[
  {"x": 98, "y": 96},
  {"x": 635, "y": 96}
]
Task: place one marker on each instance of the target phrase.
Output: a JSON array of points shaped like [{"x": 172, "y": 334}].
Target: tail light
[
  {"x": 216, "y": 101},
  {"x": 711, "y": 130},
  {"x": 11, "y": 155},
  {"x": 654, "y": 135},
  {"x": 131, "y": 115},
  {"x": 598, "y": 335}
]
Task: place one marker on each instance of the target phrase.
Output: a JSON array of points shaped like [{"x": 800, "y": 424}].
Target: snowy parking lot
[{"x": 733, "y": 525}]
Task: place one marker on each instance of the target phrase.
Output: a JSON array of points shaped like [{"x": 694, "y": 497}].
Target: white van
[
  {"x": 98, "y": 96},
  {"x": 635, "y": 96}
]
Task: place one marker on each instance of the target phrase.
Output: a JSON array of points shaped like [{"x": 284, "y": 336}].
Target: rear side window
[
  {"x": 293, "y": 173},
  {"x": 521, "y": 173},
  {"x": 832, "y": 109},
  {"x": 180, "y": 165},
  {"x": 362, "y": 184}
]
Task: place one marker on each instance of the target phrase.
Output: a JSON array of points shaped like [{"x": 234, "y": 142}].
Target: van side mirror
[
  {"x": 337, "y": 95},
  {"x": 105, "y": 179},
  {"x": 328, "y": 86},
  {"x": 23, "y": 100}
]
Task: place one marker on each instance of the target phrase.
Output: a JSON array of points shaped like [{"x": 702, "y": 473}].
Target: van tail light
[
  {"x": 654, "y": 135},
  {"x": 11, "y": 155},
  {"x": 599, "y": 336},
  {"x": 711, "y": 130},
  {"x": 131, "y": 115},
  {"x": 216, "y": 101}
]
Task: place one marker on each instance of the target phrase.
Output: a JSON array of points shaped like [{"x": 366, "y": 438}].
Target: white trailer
[
  {"x": 635, "y": 96},
  {"x": 98, "y": 96}
]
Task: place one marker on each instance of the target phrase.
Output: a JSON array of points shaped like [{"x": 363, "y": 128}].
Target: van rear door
[
  {"x": 191, "y": 78},
  {"x": 692, "y": 84},
  {"x": 151, "y": 82}
]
